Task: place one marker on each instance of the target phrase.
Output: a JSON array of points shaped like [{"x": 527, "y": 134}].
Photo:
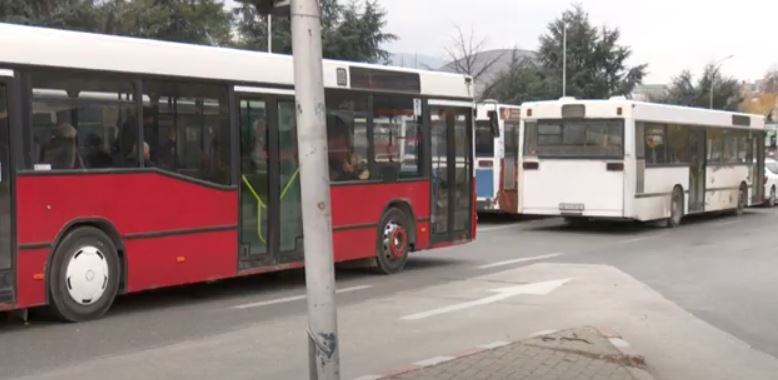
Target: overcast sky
[{"x": 668, "y": 35}]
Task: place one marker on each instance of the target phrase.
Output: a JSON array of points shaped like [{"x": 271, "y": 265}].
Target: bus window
[
  {"x": 575, "y": 138},
  {"x": 347, "y": 141},
  {"x": 484, "y": 139},
  {"x": 82, "y": 121},
  {"x": 396, "y": 137},
  {"x": 187, "y": 129}
]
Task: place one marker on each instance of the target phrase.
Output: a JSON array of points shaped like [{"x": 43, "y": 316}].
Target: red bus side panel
[
  {"x": 133, "y": 202},
  {"x": 163, "y": 215},
  {"x": 180, "y": 259},
  {"x": 356, "y": 210},
  {"x": 31, "y": 287}
]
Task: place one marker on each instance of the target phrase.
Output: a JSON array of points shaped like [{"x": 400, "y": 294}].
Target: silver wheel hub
[{"x": 86, "y": 275}]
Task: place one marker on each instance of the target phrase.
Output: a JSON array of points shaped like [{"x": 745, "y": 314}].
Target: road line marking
[
  {"x": 493, "y": 345},
  {"x": 488, "y": 229},
  {"x": 368, "y": 377},
  {"x": 521, "y": 260},
  {"x": 536, "y": 288},
  {"x": 295, "y": 298},
  {"x": 433, "y": 361}
]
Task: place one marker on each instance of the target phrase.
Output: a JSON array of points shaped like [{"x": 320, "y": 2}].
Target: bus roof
[
  {"x": 35, "y": 46},
  {"x": 616, "y": 108}
]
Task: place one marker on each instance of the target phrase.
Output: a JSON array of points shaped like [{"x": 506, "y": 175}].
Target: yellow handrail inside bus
[{"x": 261, "y": 205}]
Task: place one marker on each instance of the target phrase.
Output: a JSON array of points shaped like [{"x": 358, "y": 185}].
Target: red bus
[{"x": 130, "y": 165}]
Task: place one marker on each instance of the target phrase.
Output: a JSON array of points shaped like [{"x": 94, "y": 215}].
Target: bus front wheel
[
  {"x": 393, "y": 241},
  {"x": 84, "y": 276}
]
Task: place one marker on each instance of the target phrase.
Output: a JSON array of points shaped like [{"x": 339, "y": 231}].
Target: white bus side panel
[
  {"x": 654, "y": 202},
  {"x": 586, "y": 182},
  {"x": 722, "y": 185}
]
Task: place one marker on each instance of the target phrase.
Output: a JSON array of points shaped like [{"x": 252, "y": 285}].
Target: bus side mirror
[{"x": 494, "y": 124}]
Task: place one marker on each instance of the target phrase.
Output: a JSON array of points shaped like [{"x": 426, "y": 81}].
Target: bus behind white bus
[
  {"x": 497, "y": 132},
  {"x": 619, "y": 159}
]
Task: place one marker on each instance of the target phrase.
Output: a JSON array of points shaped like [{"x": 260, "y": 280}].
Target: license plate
[{"x": 571, "y": 207}]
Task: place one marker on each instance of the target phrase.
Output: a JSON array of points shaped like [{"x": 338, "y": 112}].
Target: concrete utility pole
[
  {"x": 564, "y": 59},
  {"x": 270, "y": 33},
  {"x": 324, "y": 359}
]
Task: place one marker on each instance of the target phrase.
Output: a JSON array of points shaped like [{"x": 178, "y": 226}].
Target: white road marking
[
  {"x": 433, "y": 361},
  {"x": 521, "y": 260},
  {"x": 495, "y": 228},
  {"x": 368, "y": 377},
  {"x": 295, "y": 298},
  {"x": 538, "y": 288},
  {"x": 493, "y": 345}
]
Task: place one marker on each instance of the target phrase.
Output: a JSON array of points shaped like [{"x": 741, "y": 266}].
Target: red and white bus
[{"x": 130, "y": 164}]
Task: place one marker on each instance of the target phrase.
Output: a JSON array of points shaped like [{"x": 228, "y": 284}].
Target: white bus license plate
[{"x": 571, "y": 207}]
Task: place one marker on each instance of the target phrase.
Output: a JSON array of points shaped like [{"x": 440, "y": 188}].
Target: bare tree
[{"x": 466, "y": 57}]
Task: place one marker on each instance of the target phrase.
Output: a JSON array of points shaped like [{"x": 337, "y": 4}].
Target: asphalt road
[{"x": 718, "y": 268}]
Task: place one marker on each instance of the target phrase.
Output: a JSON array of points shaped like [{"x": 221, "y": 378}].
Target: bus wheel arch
[
  {"x": 84, "y": 274},
  {"x": 393, "y": 239}
]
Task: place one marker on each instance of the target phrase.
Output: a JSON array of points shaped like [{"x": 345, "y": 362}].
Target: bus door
[
  {"x": 451, "y": 175},
  {"x": 269, "y": 208},
  {"x": 6, "y": 230},
  {"x": 509, "y": 200},
  {"x": 697, "y": 168}
]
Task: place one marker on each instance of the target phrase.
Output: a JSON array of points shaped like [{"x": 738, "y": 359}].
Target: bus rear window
[
  {"x": 575, "y": 139},
  {"x": 484, "y": 139}
]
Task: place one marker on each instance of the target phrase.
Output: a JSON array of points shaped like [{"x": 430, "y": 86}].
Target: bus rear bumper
[{"x": 594, "y": 214}]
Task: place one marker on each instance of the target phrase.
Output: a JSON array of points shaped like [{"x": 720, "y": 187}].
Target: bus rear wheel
[
  {"x": 742, "y": 200},
  {"x": 84, "y": 275},
  {"x": 393, "y": 242},
  {"x": 676, "y": 209}
]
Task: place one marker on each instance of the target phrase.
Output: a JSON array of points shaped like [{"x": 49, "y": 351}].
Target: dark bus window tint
[
  {"x": 742, "y": 147},
  {"x": 715, "y": 146},
  {"x": 187, "y": 131},
  {"x": 656, "y": 144},
  {"x": 396, "y": 137},
  {"x": 589, "y": 138},
  {"x": 484, "y": 139},
  {"x": 730, "y": 147},
  {"x": 678, "y": 140},
  {"x": 347, "y": 142},
  {"x": 82, "y": 121}
]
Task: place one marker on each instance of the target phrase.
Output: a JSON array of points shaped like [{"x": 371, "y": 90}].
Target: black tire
[
  {"x": 393, "y": 241},
  {"x": 742, "y": 200},
  {"x": 676, "y": 209},
  {"x": 84, "y": 257}
]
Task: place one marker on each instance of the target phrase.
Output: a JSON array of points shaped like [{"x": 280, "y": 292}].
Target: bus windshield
[
  {"x": 589, "y": 138},
  {"x": 484, "y": 140}
]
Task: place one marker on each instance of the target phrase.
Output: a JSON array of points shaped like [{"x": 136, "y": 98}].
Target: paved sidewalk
[{"x": 584, "y": 353}]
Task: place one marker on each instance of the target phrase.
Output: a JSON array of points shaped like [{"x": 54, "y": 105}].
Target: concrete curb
[{"x": 627, "y": 357}]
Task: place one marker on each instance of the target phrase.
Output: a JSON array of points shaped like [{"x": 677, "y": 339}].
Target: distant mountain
[
  {"x": 503, "y": 60},
  {"x": 416, "y": 61}
]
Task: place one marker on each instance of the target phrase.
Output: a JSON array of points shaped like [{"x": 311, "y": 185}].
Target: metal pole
[
  {"x": 270, "y": 33},
  {"x": 564, "y": 60},
  {"x": 324, "y": 360}
]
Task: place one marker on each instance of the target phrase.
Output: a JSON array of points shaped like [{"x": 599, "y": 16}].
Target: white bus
[
  {"x": 619, "y": 159},
  {"x": 497, "y": 131}
]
